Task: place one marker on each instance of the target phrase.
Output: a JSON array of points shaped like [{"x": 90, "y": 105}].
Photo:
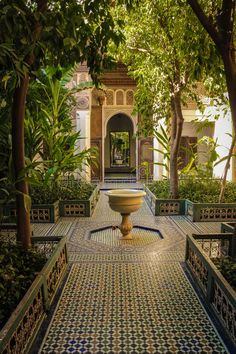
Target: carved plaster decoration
[
  {"x": 129, "y": 97},
  {"x": 119, "y": 97},
  {"x": 83, "y": 102},
  {"x": 109, "y": 97},
  {"x": 110, "y": 112}
]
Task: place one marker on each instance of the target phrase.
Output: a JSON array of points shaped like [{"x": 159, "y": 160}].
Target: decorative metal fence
[
  {"x": 19, "y": 332},
  {"x": 217, "y": 291}
]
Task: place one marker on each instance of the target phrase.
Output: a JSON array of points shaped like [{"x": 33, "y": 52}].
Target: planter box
[
  {"x": 217, "y": 292},
  {"x": 80, "y": 207},
  {"x": 210, "y": 211},
  {"x": 39, "y": 212},
  {"x": 196, "y": 211},
  {"x": 164, "y": 207},
  {"x": 19, "y": 332}
]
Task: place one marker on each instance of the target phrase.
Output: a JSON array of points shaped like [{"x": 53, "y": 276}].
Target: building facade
[{"x": 107, "y": 121}]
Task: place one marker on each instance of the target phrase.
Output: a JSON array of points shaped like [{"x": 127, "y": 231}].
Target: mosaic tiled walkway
[{"x": 128, "y": 297}]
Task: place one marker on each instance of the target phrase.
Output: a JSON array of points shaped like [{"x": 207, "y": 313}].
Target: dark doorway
[{"x": 120, "y": 147}]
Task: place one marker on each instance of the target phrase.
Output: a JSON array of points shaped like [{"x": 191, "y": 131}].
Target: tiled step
[{"x": 120, "y": 180}]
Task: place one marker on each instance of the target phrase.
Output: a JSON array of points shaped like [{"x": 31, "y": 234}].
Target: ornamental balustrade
[
  {"x": 220, "y": 296},
  {"x": 20, "y": 330}
]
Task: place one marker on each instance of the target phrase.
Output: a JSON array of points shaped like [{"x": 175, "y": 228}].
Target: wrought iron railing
[
  {"x": 218, "y": 293},
  {"x": 19, "y": 332}
]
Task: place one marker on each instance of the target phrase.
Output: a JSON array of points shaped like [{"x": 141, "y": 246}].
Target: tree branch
[
  {"x": 206, "y": 22},
  {"x": 226, "y": 19},
  {"x": 137, "y": 49}
]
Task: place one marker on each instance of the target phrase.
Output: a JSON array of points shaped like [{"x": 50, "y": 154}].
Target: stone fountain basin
[{"x": 125, "y": 201}]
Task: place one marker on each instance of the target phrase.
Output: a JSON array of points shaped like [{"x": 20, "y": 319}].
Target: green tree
[
  {"x": 41, "y": 32},
  {"x": 218, "y": 19},
  {"x": 162, "y": 57}
]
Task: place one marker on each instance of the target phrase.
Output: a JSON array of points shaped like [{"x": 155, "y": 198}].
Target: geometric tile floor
[
  {"x": 128, "y": 299},
  {"x": 140, "y": 237}
]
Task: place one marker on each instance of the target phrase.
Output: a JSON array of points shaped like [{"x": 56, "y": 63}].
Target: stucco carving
[
  {"x": 119, "y": 97},
  {"x": 110, "y": 112},
  {"x": 110, "y": 97},
  {"x": 130, "y": 97},
  {"x": 83, "y": 102}
]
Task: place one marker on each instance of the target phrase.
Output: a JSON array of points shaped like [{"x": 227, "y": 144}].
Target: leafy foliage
[
  {"x": 44, "y": 194},
  {"x": 227, "y": 266},
  {"x": 76, "y": 190},
  {"x": 65, "y": 32},
  {"x": 163, "y": 61},
  {"x": 38, "y": 33},
  {"x": 65, "y": 190},
  {"x": 51, "y": 142},
  {"x": 17, "y": 271},
  {"x": 167, "y": 60},
  {"x": 198, "y": 191}
]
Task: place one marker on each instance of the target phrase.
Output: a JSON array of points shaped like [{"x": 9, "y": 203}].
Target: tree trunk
[
  {"x": 176, "y": 132},
  {"x": 18, "y": 112},
  {"x": 18, "y": 153}
]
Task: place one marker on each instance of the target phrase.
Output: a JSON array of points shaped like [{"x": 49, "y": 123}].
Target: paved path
[{"x": 128, "y": 297}]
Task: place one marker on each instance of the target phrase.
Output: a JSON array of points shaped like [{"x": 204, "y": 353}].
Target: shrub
[
  {"x": 67, "y": 190},
  {"x": 198, "y": 191},
  {"x": 18, "y": 269},
  {"x": 227, "y": 266},
  {"x": 76, "y": 190},
  {"x": 45, "y": 194}
]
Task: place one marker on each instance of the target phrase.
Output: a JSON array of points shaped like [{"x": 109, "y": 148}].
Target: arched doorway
[{"x": 119, "y": 147}]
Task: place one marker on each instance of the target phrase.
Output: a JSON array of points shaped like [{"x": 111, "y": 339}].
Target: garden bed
[
  {"x": 20, "y": 330},
  {"x": 39, "y": 213},
  {"x": 76, "y": 199},
  {"x": 79, "y": 207},
  {"x": 220, "y": 296},
  {"x": 164, "y": 207},
  {"x": 160, "y": 204}
]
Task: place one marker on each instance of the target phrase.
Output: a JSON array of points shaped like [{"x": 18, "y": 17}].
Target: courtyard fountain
[{"x": 125, "y": 202}]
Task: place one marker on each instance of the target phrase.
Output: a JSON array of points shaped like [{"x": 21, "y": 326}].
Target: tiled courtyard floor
[{"x": 129, "y": 297}]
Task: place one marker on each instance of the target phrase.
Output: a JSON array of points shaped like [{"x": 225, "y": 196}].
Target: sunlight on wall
[
  {"x": 223, "y": 127},
  {"x": 83, "y": 125}
]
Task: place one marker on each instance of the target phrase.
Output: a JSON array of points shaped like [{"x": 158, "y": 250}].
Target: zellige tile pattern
[{"x": 128, "y": 297}]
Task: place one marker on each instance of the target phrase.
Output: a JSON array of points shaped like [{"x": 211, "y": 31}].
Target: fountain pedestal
[
  {"x": 125, "y": 202},
  {"x": 126, "y": 227}
]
